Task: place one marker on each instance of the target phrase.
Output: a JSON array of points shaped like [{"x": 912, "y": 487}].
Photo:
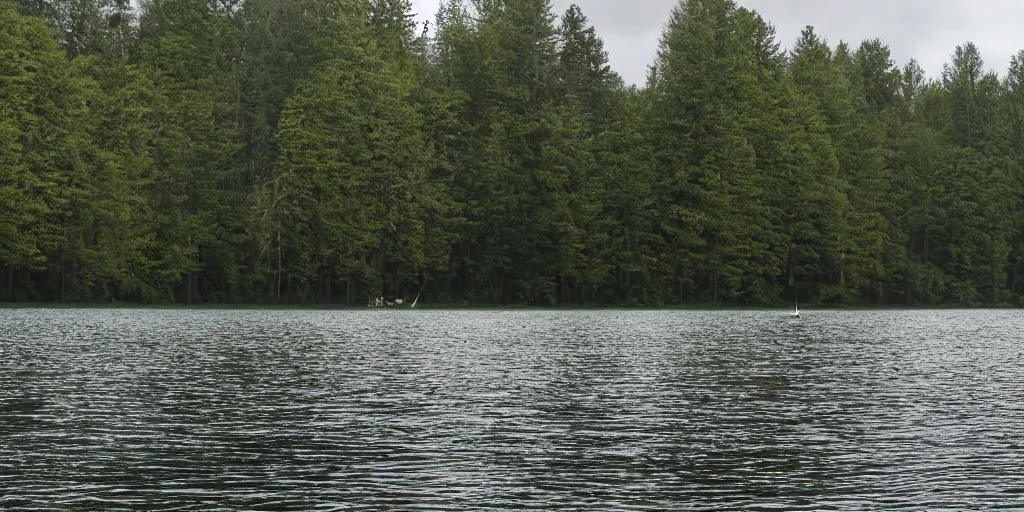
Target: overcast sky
[{"x": 927, "y": 30}]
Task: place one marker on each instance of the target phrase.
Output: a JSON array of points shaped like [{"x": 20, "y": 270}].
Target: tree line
[{"x": 332, "y": 151}]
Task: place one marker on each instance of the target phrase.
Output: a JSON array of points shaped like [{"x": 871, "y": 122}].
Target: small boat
[{"x": 796, "y": 310}]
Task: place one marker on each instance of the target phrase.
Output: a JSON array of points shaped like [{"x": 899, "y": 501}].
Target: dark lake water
[{"x": 480, "y": 410}]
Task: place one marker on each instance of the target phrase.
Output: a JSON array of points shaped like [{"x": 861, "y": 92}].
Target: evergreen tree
[
  {"x": 36, "y": 97},
  {"x": 707, "y": 88},
  {"x": 586, "y": 76},
  {"x": 332, "y": 151},
  {"x": 199, "y": 194},
  {"x": 107, "y": 249}
]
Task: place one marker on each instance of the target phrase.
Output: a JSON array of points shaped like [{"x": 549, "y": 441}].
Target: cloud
[{"x": 928, "y": 30}]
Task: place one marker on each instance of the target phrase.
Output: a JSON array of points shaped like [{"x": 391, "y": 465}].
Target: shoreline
[{"x": 485, "y": 307}]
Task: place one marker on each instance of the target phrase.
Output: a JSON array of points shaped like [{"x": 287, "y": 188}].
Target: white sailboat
[{"x": 796, "y": 309}]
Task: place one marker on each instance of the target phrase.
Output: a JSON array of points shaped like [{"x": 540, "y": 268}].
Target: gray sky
[{"x": 927, "y": 30}]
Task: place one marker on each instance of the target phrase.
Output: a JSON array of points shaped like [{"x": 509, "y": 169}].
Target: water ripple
[{"x": 428, "y": 410}]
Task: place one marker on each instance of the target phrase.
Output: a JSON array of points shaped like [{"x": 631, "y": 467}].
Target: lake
[{"x": 513, "y": 410}]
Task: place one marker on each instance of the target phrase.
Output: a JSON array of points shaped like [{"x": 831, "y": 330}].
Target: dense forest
[{"x": 331, "y": 151}]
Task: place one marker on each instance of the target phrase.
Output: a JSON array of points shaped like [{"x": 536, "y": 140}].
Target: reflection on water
[{"x": 610, "y": 410}]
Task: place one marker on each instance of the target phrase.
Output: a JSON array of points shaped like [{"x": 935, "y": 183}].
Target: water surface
[{"x": 484, "y": 410}]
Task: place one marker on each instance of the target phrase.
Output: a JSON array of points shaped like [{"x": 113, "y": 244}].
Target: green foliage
[
  {"x": 36, "y": 97},
  {"x": 331, "y": 151}
]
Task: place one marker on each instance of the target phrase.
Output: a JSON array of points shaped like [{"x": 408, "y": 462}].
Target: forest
[{"x": 332, "y": 152}]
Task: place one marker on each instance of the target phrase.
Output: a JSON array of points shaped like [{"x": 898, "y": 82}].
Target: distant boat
[{"x": 796, "y": 310}]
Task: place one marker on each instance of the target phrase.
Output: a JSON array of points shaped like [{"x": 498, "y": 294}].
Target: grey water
[{"x": 510, "y": 410}]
